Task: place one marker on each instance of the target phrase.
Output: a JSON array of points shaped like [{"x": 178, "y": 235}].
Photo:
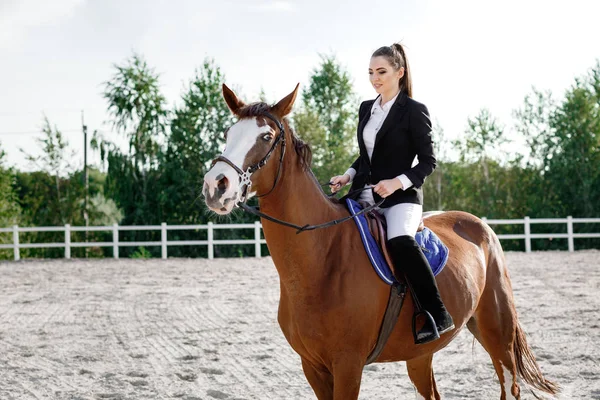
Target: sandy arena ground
[{"x": 201, "y": 329}]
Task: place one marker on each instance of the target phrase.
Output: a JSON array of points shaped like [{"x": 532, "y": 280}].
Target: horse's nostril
[{"x": 222, "y": 184}]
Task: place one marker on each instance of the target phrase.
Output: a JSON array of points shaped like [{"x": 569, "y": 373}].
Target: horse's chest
[{"x": 304, "y": 330}]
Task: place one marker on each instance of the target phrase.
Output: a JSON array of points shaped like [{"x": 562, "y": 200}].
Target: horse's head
[{"x": 242, "y": 169}]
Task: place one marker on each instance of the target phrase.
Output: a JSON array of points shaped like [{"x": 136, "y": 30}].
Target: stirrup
[{"x": 435, "y": 335}]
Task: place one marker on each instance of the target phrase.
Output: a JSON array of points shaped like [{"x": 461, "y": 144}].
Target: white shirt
[{"x": 378, "y": 115}]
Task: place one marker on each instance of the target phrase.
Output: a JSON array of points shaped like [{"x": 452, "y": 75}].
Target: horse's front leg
[
  {"x": 320, "y": 379},
  {"x": 346, "y": 379}
]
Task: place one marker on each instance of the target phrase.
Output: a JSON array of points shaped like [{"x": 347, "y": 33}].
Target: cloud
[{"x": 17, "y": 17}]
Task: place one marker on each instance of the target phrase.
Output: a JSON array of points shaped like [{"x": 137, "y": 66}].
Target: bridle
[
  {"x": 246, "y": 175},
  {"x": 246, "y": 182}
]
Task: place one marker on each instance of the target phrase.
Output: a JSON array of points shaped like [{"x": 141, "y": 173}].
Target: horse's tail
[{"x": 528, "y": 368}]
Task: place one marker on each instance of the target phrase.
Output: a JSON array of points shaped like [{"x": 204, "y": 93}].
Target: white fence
[
  {"x": 115, "y": 244},
  {"x": 527, "y": 235},
  {"x": 164, "y": 243}
]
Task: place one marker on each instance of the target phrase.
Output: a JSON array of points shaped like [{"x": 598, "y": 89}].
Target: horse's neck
[{"x": 297, "y": 198}]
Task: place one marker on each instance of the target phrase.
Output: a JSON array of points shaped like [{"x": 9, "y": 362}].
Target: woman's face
[{"x": 383, "y": 76}]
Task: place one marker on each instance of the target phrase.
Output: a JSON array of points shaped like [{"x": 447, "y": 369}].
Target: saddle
[
  {"x": 373, "y": 227},
  {"x": 378, "y": 229}
]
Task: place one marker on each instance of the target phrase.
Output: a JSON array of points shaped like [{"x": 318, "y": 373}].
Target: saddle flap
[
  {"x": 372, "y": 229},
  {"x": 378, "y": 229}
]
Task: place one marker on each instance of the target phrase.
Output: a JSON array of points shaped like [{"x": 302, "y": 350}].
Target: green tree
[
  {"x": 327, "y": 118},
  {"x": 573, "y": 159},
  {"x": 195, "y": 139},
  {"x": 534, "y": 123},
  {"x": 565, "y": 145},
  {"x": 138, "y": 111},
  {"x": 103, "y": 211},
  {"x": 434, "y": 188},
  {"x": 10, "y": 210},
  {"x": 483, "y": 137},
  {"x": 480, "y": 184},
  {"x": 47, "y": 196},
  {"x": 55, "y": 160}
]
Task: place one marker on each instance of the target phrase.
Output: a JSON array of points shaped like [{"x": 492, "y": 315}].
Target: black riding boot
[{"x": 409, "y": 260}]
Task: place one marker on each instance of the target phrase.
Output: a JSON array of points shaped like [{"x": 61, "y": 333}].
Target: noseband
[{"x": 245, "y": 176}]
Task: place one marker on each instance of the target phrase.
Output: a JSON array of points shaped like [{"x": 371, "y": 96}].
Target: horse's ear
[
  {"x": 232, "y": 100},
  {"x": 284, "y": 107}
]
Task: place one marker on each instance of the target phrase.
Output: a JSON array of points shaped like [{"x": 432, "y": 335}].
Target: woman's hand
[
  {"x": 387, "y": 186},
  {"x": 338, "y": 181}
]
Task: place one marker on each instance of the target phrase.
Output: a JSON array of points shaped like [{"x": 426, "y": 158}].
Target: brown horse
[{"x": 332, "y": 302}]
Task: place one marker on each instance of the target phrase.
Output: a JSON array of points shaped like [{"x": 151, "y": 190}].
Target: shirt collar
[{"x": 386, "y": 107}]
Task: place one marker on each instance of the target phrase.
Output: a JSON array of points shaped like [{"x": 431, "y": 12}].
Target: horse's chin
[{"x": 222, "y": 210}]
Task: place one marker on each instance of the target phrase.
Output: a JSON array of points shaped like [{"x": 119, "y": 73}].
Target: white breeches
[{"x": 402, "y": 219}]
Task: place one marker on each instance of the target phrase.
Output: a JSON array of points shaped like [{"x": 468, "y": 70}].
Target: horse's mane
[{"x": 302, "y": 149}]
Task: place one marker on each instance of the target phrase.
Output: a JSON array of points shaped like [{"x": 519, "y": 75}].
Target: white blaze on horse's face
[{"x": 221, "y": 188}]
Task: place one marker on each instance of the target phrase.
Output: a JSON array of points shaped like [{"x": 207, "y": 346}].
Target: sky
[{"x": 464, "y": 55}]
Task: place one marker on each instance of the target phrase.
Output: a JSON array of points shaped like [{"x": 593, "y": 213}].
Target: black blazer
[{"x": 405, "y": 133}]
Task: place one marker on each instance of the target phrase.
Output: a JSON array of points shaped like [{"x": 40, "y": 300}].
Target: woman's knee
[
  {"x": 394, "y": 233},
  {"x": 403, "y": 219}
]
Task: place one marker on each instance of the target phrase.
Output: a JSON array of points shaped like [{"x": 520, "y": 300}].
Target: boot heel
[
  {"x": 447, "y": 329},
  {"x": 446, "y": 323}
]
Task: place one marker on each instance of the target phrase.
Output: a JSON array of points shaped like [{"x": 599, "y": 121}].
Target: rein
[
  {"x": 255, "y": 211},
  {"x": 247, "y": 184}
]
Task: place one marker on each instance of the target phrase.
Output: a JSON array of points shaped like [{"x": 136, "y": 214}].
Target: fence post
[
  {"x": 67, "y": 241},
  {"x": 484, "y": 219},
  {"x": 16, "y": 242},
  {"x": 163, "y": 240},
  {"x": 211, "y": 252},
  {"x": 527, "y": 235},
  {"x": 256, "y": 238},
  {"x": 116, "y": 240},
  {"x": 570, "y": 232}
]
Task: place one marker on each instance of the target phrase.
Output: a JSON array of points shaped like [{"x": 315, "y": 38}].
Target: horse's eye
[{"x": 267, "y": 137}]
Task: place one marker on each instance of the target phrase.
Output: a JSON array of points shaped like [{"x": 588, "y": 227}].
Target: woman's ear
[{"x": 401, "y": 72}]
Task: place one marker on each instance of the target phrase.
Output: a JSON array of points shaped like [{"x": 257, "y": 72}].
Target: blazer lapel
[
  {"x": 394, "y": 116},
  {"x": 361, "y": 127}
]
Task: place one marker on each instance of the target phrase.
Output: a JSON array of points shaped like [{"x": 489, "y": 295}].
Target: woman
[{"x": 392, "y": 130}]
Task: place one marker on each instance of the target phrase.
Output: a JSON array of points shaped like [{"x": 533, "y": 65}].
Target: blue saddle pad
[{"x": 433, "y": 248}]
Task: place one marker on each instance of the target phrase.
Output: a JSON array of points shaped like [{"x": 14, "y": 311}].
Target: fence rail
[
  {"x": 527, "y": 235},
  {"x": 164, "y": 243}
]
